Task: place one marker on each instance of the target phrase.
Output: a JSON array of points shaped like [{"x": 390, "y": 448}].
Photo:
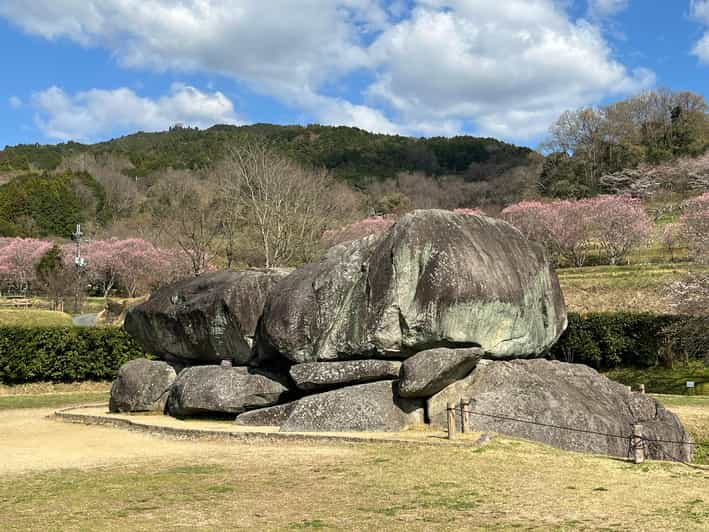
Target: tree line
[{"x": 588, "y": 143}]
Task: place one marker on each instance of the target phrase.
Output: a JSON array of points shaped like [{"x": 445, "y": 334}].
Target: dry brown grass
[
  {"x": 101, "y": 478},
  {"x": 638, "y": 288}
]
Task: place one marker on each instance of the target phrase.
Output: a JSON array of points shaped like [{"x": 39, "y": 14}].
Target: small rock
[
  {"x": 364, "y": 407},
  {"x": 319, "y": 375},
  {"x": 201, "y": 390},
  {"x": 428, "y": 372},
  {"x": 142, "y": 385}
]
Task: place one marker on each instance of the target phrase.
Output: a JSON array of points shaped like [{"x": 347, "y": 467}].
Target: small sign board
[{"x": 690, "y": 384}]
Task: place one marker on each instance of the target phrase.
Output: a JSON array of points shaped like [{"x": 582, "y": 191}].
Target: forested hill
[{"x": 351, "y": 153}]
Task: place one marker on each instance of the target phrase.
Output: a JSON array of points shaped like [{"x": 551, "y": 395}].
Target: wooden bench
[{"x": 17, "y": 303}]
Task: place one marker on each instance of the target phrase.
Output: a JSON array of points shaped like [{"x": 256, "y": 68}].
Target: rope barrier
[{"x": 575, "y": 429}]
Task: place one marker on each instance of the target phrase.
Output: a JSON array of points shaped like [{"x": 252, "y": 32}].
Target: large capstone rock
[
  {"x": 365, "y": 407},
  {"x": 320, "y": 375},
  {"x": 202, "y": 390},
  {"x": 142, "y": 385},
  {"x": 561, "y": 395},
  {"x": 272, "y": 416},
  {"x": 435, "y": 279},
  {"x": 205, "y": 319},
  {"x": 428, "y": 372}
]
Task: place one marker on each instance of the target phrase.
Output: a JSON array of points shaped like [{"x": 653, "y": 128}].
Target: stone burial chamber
[{"x": 379, "y": 335}]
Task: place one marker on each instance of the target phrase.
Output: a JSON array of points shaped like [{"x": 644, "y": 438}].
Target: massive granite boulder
[
  {"x": 428, "y": 372},
  {"x": 562, "y": 395},
  {"x": 320, "y": 375},
  {"x": 435, "y": 279},
  {"x": 204, "y": 319},
  {"x": 203, "y": 390},
  {"x": 374, "y": 406},
  {"x": 142, "y": 385}
]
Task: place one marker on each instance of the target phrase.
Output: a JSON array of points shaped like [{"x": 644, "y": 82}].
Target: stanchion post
[
  {"x": 464, "y": 415},
  {"x": 451, "y": 421},
  {"x": 637, "y": 446}
]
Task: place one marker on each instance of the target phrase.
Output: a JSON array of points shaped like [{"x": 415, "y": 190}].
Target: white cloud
[
  {"x": 599, "y": 9},
  {"x": 699, "y": 9},
  {"x": 96, "y": 113},
  {"x": 15, "y": 102},
  {"x": 437, "y": 66},
  {"x": 511, "y": 67}
]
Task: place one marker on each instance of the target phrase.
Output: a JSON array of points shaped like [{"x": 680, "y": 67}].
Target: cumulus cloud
[
  {"x": 15, "y": 102},
  {"x": 699, "y": 9},
  {"x": 510, "y": 67},
  {"x": 506, "y": 68},
  {"x": 96, "y": 113}
]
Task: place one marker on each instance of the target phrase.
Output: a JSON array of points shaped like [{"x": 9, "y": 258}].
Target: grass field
[
  {"x": 33, "y": 318},
  {"x": 59, "y": 476},
  {"x": 52, "y": 395},
  {"x": 665, "y": 381},
  {"x": 634, "y": 288}
]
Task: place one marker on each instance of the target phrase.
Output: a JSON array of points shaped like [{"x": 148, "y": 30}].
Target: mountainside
[{"x": 352, "y": 154}]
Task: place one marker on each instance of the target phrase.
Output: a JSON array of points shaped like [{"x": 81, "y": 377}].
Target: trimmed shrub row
[
  {"x": 603, "y": 341},
  {"x": 63, "y": 354},
  {"x": 609, "y": 340}
]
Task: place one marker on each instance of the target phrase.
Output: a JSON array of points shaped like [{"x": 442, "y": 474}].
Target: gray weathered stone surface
[
  {"x": 213, "y": 389},
  {"x": 204, "y": 319},
  {"x": 435, "y": 279},
  {"x": 141, "y": 385},
  {"x": 364, "y": 407},
  {"x": 428, "y": 372},
  {"x": 557, "y": 393},
  {"x": 319, "y": 375},
  {"x": 272, "y": 416}
]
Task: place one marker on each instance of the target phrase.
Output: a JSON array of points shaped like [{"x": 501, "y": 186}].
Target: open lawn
[
  {"x": 52, "y": 395},
  {"x": 665, "y": 381},
  {"x": 633, "y": 288},
  {"x": 33, "y": 318},
  {"x": 58, "y": 476}
]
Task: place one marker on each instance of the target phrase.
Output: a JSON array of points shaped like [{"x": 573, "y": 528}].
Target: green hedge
[
  {"x": 63, "y": 354},
  {"x": 609, "y": 340}
]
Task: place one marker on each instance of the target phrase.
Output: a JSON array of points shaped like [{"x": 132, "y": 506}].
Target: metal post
[
  {"x": 636, "y": 444},
  {"x": 464, "y": 416},
  {"x": 451, "y": 421}
]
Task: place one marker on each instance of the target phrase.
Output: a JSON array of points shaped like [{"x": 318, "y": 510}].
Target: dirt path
[{"x": 31, "y": 442}]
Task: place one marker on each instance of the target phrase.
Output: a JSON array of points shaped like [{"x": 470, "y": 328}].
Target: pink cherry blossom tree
[
  {"x": 569, "y": 229},
  {"x": 18, "y": 261},
  {"x": 619, "y": 223},
  {"x": 695, "y": 221},
  {"x": 372, "y": 225}
]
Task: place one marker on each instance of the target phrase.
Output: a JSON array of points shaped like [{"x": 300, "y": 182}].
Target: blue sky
[{"x": 90, "y": 70}]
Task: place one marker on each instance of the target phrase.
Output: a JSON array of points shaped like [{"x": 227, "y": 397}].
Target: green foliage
[
  {"x": 352, "y": 154},
  {"x": 63, "y": 354},
  {"x": 609, "y": 340},
  {"x": 51, "y": 263},
  {"x": 41, "y": 205}
]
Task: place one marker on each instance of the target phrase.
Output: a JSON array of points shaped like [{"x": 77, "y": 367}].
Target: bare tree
[
  {"x": 122, "y": 193},
  {"x": 285, "y": 207},
  {"x": 187, "y": 212}
]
